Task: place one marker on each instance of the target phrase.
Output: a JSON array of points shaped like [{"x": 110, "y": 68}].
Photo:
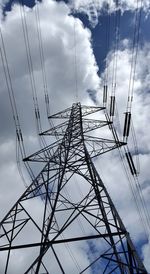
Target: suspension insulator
[
  {"x": 131, "y": 163},
  {"x": 18, "y": 136},
  {"x": 112, "y": 105},
  {"x": 127, "y": 123},
  {"x": 105, "y": 95},
  {"x": 36, "y": 115},
  {"x": 45, "y": 98},
  {"x": 21, "y": 137}
]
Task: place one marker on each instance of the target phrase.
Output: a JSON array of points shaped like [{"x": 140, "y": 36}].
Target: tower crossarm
[
  {"x": 64, "y": 114},
  {"x": 45, "y": 154},
  {"x": 92, "y": 124},
  {"x": 60, "y": 129},
  {"x": 97, "y": 146},
  {"x": 86, "y": 110},
  {"x": 88, "y": 125}
]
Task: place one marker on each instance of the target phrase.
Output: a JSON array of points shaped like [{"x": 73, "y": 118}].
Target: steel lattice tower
[{"x": 92, "y": 211}]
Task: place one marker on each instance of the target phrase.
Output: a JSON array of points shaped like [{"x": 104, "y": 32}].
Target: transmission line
[
  {"x": 105, "y": 85},
  {"x": 31, "y": 74},
  {"x": 75, "y": 62},
  {"x": 43, "y": 68},
  {"x": 42, "y": 59},
  {"x": 115, "y": 59},
  {"x": 135, "y": 46},
  {"x": 19, "y": 135}
]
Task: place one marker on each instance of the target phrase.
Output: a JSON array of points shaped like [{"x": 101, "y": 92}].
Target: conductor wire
[{"x": 75, "y": 63}]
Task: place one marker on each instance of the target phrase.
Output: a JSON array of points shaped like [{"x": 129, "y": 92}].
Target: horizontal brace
[{"x": 48, "y": 243}]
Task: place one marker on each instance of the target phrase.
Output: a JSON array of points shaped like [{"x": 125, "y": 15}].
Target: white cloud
[
  {"x": 94, "y": 8},
  {"x": 59, "y": 48}
]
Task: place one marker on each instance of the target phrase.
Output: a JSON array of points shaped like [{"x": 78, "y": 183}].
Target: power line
[
  {"x": 12, "y": 99},
  {"x": 135, "y": 46},
  {"x": 75, "y": 62},
  {"x": 31, "y": 74},
  {"x": 42, "y": 59},
  {"x": 43, "y": 68},
  {"x": 115, "y": 59}
]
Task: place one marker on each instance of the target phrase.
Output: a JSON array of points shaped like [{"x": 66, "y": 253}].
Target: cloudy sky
[{"x": 78, "y": 59}]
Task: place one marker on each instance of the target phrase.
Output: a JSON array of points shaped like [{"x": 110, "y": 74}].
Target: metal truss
[{"x": 69, "y": 218}]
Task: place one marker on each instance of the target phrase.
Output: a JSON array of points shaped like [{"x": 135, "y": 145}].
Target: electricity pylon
[{"x": 76, "y": 213}]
